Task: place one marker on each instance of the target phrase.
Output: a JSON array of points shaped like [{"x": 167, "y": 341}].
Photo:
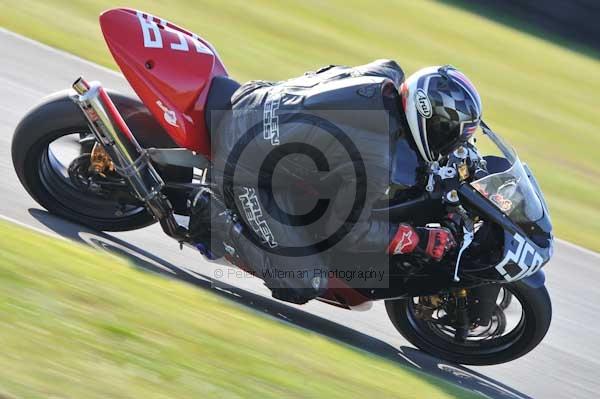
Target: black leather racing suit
[{"x": 325, "y": 135}]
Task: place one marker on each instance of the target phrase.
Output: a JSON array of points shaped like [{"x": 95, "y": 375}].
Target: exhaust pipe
[{"x": 130, "y": 159}]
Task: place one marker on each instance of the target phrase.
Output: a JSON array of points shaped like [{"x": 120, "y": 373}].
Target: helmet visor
[{"x": 467, "y": 130}]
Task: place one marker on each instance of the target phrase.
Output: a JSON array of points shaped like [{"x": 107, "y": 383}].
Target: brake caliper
[
  {"x": 426, "y": 306},
  {"x": 100, "y": 161}
]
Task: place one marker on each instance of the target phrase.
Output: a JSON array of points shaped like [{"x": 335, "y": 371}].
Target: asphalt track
[{"x": 565, "y": 365}]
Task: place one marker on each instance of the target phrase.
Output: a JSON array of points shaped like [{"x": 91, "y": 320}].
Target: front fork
[
  {"x": 130, "y": 160},
  {"x": 462, "y": 322}
]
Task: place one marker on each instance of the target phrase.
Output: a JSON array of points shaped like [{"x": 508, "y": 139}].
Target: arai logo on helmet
[{"x": 423, "y": 104}]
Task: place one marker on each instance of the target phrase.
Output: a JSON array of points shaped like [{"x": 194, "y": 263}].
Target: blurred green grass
[
  {"x": 77, "y": 323},
  {"x": 545, "y": 98}
]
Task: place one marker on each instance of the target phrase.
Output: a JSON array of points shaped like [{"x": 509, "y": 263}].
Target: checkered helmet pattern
[{"x": 442, "y": 108}]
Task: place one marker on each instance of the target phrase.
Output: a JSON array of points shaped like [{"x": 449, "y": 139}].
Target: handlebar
[{"x": 460, "y": 167}]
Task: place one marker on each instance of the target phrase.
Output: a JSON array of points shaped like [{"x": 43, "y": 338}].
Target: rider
[{"x": 426, "y": 117}]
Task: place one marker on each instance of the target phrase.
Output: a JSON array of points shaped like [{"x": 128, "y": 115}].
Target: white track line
[
  {"x": 53, "y": 234},
  {"x": 18, "y": 222},
  {"x": 60, "y": 52},
  {"x": 115, "y": 73},
  {"x": 579, "y": 248}
]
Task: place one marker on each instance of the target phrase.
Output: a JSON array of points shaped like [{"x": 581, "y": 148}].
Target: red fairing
[{"x": 169, "y": 68}]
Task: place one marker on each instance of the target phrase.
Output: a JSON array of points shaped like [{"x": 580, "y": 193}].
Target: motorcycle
[{"x": 132, "y": 163}]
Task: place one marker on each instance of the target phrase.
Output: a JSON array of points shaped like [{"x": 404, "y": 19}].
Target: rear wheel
[
  {"x": 42, "y": 157},
  {"x": 515, "y": 328}
]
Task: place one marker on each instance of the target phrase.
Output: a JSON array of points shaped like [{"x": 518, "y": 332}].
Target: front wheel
[{"x": 511, "y": 333}]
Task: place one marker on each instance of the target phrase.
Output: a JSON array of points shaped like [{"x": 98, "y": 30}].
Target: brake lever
[
  {"x": 468, "y": 228},
  {"x": 452, "y": 176},
  {"x": 468, "y": 236}
]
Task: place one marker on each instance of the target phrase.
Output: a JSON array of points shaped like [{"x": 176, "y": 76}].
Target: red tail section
[{"x": 169, "y": 68}]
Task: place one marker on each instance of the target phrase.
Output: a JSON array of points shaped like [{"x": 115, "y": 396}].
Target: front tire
[{"x": 530, "y": 330}]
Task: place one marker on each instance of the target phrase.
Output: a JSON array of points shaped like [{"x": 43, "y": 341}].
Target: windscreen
[{"x": 510, "y": 188}]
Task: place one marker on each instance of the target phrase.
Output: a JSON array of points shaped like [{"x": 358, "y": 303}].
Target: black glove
[{"x": 434, "y": 242}]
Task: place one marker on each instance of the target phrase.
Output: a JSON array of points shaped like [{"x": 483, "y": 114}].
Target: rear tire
[
  {"x": 40, "y": 127},
  {"x": 537, "y": 314}
]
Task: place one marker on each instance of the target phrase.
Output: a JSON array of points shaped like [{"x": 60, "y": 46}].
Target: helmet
[{"x": 442, "y": 108}]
